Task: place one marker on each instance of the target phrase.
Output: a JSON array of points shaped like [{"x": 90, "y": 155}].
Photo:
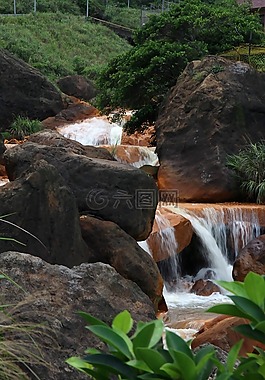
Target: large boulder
[
  {"x": 42, "y": 217},
  {"x": 25, "y": 91},
  {"x": 78, "y": 86},
  {"x": 250, "y": 258},
  {"x": 53, "y": 138},
  {"x": 109, "y": 244},
  {"x": 107, "y": 189},
  {"x": 212, "y": 111},
  {"x": 51, "y": 296}
]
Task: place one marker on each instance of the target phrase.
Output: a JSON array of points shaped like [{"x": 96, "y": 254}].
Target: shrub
[
  {"x": 23, "y": 126},
  {"x": 142, "y": 355},
  {"x": 249, "y": 167}
]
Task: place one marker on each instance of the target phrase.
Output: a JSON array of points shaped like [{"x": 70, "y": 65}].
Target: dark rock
[
  {"x": 52, "y": 297},
  {"x": 53, "y": 138},
  {"x": 78, "y": 86},
  {"x": 250, "y": 258},
  {"x": 107, "y": 189},
  {"x": 25, "y": 91},
  {"x": 41, "y": 203},
  {"x": 216, "y": 108},
  {"x": 111, "y": 245}
]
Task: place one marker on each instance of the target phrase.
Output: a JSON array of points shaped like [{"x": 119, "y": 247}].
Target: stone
[
  {"x": 204, "y": 288},
  {"x": 52, "y": 295},
  {"x": 219, "y": 332},
  {"x": 107, "y": 189},
  {"x": 78, "y": 86},
  {"x": 137, "y": 156},
  {"x": 111, "y": 245},
  {"x": 250, "y": 258},
  {"x": 182, "y": 230},
  {"x": 74, "y": 110},
  {"x": 144, "y": 138},
  {"x": 53, "y": 138},
  {"x": 212, "y": 103},
  {"x": 42, "y": 217},
  {"x": 25, "y": 91}
]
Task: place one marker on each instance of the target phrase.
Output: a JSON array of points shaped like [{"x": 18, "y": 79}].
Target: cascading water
[
  {"x": 94, "y": 131},
  {"x": 213, "y": 254}
]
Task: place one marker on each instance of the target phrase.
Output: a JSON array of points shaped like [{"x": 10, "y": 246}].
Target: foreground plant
[
  {"x": 249, "y": 167},
  {"x": 142, "y": 355},
  {"x": 23, "y": 126}
]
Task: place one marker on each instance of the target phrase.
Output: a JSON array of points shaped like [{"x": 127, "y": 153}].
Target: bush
[
  {"x": 142, "y": 355},
  {"x": 23, "y": 126},
  {"x": 249, "y": 166}
]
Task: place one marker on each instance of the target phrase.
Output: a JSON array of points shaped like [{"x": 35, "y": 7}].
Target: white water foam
[{"x": 94, "y": 131}]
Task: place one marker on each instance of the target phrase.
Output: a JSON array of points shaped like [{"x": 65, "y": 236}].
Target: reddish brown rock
[
  {"x": 78, "y": 86},
  {"x": 131, "y": 154},
  {"x": 75, "y": 110},
  {"x": 219, "y": 332},
  {"x": 183, "y": 234},
  {"x": 250, "y": 258},
  {"x": 215, "y": 101},
  {"x": 204, "y": 288},
  {"x": 144, "y": 138}
]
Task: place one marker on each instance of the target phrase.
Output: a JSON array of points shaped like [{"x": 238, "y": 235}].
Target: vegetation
[
  {"x": 129, "y": 17},
  {"x": 249, "y": 166},
  {"x": 23, "y": 126},
  {"x": 58, "y": 44},
  {"x": 140, "y": 78},
  {"x": 143, "y": 356}
]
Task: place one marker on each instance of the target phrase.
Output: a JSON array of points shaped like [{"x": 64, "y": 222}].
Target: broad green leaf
[
  {"x": 246, "y": 306},
  {"x": 111, "y": 364},
  {"x": 91, "y": 320},
  {"x": 255, "y": 288},
  {"x": 171, "y": 370},
  {"x": 223, "y": 376},
  {"x": 260, "y": 326},
  {"x": 203, "y": 353},
  {"x": 149, "y": 335},
  {"x": 116, "y": 339},
  {"x": 233, "y": 355},
  {"x": 152, "y": 358},
  {"x": 152, "y": 376},
  {"x": 261, "y": 370},
  {"x": 123, "y": 321},
  {"x": 92, "y": 351},
  {"x": 248, "y": 331},
  {"x": 234, "y": 287},
  {"x": 78, "y": 363},
  {"x": 185, "y": 365},
  {"x": 176, "y": 343},
  {"x": 139, "y": 364},
  {"x": 228, "y": 309},
  {"x": 204, "y": 362}
]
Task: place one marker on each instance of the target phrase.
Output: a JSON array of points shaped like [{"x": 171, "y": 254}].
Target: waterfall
[
  {"x": 232, "y": 228},
  {"x": 147, "y": 156},
  {"x": 211, "y": 251},
  {"x": 94, "y": 131},
  {"x": 167, "y": 243}
]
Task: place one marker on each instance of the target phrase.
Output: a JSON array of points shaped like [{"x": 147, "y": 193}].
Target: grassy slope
[{"x": 59, "y": 45}]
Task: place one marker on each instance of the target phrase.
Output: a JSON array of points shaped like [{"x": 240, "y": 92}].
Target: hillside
[{"x": 58, "y": 44}]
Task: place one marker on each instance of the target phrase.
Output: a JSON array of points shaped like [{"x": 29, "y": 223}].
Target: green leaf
[
  {"x": 228, "y": 309},
  {"x": 185, "y": 365},
  {"x": 91, "y": 320},
  {"x": 123, "y": 321},
  {"x": 148, "y": 335},
  {"x": 139, "y": 364},
  {"x": 176, "y": 343},
  {"x": 260, "y": 326},
  {"x": 111, "y": 364},
  {"x": 247, "y": 306},
  {"x": 248, "y": 331},
  {"x": 171, "y": 370},
  {"x": 255, "y": 288},
  {"x": 116, "y": 339},
  {"x": 235, "y": 287},
  {"x": 152, "y": 358},
  {"x": 233, "y": 355}
]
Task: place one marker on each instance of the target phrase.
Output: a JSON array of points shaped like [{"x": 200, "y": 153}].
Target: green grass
[
  {"x": 129, "y": 17},
  {"x": 58, "y": 44}
]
